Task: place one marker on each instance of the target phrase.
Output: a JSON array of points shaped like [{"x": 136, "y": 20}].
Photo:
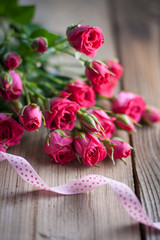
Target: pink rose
[
  {"x": 2, "y": 148},
  {"x": 10, "y": 86},
  {"x": 107, "y": 90},
  {"x": 31, "y": 117},
  {"x": 97, "y": 73},
  {"x": 10, "y": 130},
  {"x": 40, "y": 45},
  {"x": 62, "y": 113},
  {"x": 86, "y": 39},
  {"x": 11, "y": 60},
  {"x": 81, "y": 94},
  {"x": 130, "y": 104},
  {"x": 151, "y": 115},
  {"x": 124, "y": 122},
  {"x": 115, "y": 68},
  {"x": 60, "y": 147},
  {"x": 121, "y": 149},
  {"x": 90, "y": 149},
  {"x": 105, "y": 121}
]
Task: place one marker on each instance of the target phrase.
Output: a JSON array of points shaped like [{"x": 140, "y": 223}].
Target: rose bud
[
  {"x": 115, "y": 68},
  {"x": 90, "y": 149},
  {"x": 40, "y": 44},
  {"x": 31, "y": 117},
  {"x": 10, "y": 130},
  {"x": 85, "y": 39},
  {"x": 10, "y": 86},
  {"x": 97, "y": 73},
  {"x": 62, "y": 113},
  {"x": 59, "y": 147},
  {"x": 151, "y": 115},
  {"x": 130, "y": 104},
  {"x": 120, "y": 149},
  {"x": 124, "y": 122},
  {"x": 2, "y": 148},
  {"x": 81, "y": 94},
  {"x": 105, "y": 121},
  {"x": 11, "y": 60}
]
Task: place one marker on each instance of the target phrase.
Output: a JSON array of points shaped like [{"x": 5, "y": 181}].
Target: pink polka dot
[
  {"x": 26, "y": 169},
  {"x": 32, "y": 176},
  {"x": 21, "y": 173}
]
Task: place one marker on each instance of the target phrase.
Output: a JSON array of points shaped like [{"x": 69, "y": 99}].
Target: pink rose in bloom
[
  {"x": 121, "y": 149},
  {"x": 11, "y": 60},
  {"x": 106, "y": 89},
  {"x": 86, "y": 39},
  {"x": 124, "y": 122},
  {"x": 62, "y": 113},
  {"x": 60, "y": 147},
  {"x": 40, "y": 45},
  {"x": 81, "y": 94},
  {"x": 151, "y": 115},
  {"x": 31, "y": 117},
  {"x": 2, "y": 148},
  {"x": 105, "y": 121},
  {"x": 90, "y": 149},
  {"x": 115, "y": 68},
  {"x": 10, "y": 90},
  {"x": 130, "y": 104},
  {"x": 10, "y": 130},
  {"x": 98, "y": 74}
]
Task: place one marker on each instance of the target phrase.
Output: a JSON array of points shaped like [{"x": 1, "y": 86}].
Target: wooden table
[{"x": 132, "y": 33}]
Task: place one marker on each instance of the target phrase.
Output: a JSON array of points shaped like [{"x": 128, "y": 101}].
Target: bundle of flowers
[{"x": 33, "y": 92}]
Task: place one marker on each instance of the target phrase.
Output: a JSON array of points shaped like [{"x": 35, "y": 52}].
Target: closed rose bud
[
  {"x": 85, "y": 39},
  {"x": 90, "y": 149},
  {"x": 81, "y": 94},
  {"x": 11, "y": 60},
  {"x": 120, "y": 149},
  {"x": 10, "y": 131},
  {"x": 59, "y": 147},
  {"x": 40, "y": 44},
  {"x": 124, "y": 122},
  {"x": 130, "y": 104},
  {"x": 105, "y": 121},
  {"x": 31, "y": 117},
  {"x": 97, "y": 73},
  {"x": 2, "y": 148},
  {"x": 10, "y": 86},
  {"x": 151, "y": 115},
  {"x": 115, "y": 68},
  {"x": 62, "y": 114}
]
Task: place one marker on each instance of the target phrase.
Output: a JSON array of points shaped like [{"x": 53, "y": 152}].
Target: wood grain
[{"x": 137, "y": 31}]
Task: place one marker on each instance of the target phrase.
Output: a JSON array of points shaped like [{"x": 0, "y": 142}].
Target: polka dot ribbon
[{"x": 125, "y": 195}]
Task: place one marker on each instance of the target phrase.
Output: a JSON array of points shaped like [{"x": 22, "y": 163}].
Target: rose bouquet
[{"x": 33, "y": 91}]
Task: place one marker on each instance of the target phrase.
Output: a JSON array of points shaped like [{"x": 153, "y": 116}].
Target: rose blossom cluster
[{"x": 77, "y": 127}]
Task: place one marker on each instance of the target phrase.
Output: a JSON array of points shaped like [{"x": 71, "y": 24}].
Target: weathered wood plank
[
  {"x": 31, "y": 215},
  {"x": 137, "y": 30}
]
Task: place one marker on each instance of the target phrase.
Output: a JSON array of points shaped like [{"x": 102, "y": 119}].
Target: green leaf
[
  {"x": 46, "y": 34},
  {"x": 22, "y": 14},
  {"x": 30, "y": 27}
]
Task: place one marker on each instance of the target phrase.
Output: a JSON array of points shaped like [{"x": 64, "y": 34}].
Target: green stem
[
  {"x": 53, "y": 79},
  {"x": 60, "y": 42},
  {"x": 36, "y": 93},
  {"x": 70, "y": 53},
  {"x": 28, "y": 100}
]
